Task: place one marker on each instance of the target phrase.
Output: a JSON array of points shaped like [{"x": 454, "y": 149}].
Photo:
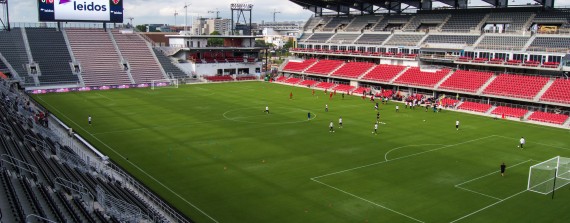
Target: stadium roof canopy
[{"x": 397, "y": 6}]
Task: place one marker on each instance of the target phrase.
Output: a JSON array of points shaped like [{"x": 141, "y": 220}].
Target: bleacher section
[
  {"x": 325, "y": 85},
  {"x": 168, "y": 66},
  {"x": 516, "y": 20},
  {"x": 546, "y": 117},
  {"x": 144, "y": 68},
  {"x": 392, "y": 22},
  {"x": 49, "y": 50},
  {"x": 353, "y": 70},
  {"x": 372, "y": 39},
  {"x": 463, "y": 22},
  {"x": 550, "y": 44},
  {"x": 383, "y": 73},
  {"x": 298, "y": 66},
  {"x": 414, "y": 76},
  {"x": 404, "y": 40},
  {"x": 360, "y": 22},
  {"x": 312, "y": 23},
  {"x": 448, "y": 102},
  {"x": 453, "y": 39},
  {"x": 559, "y": 17},
  {"x": 432, "y": 20},
  {"x": 308, "y": 83},
  {"x": 468, "y": 81},
  {"x": 335, "y": 22},
  {"x": 473, "y": 106},
  {"x": 319, "y": 37},
  {"x": 558, "y": 92},
  {"x": 509, "y": 112},
  {"x": 343, "y": 88},
  {"x": 293, "y": 80},
  {"x": 344, "y": 38},
  {"x": 13, "y": 49},
  {"x": 526, "y": 86},
  {"x": 324, "y": 67},
  {"x": 223, "y": 78},
  {"x": 100, "y": 63},
  {"x": 514, "y": 43}
]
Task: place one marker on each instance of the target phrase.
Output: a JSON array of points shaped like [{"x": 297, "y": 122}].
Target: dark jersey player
[{"x": 503, "y": 168}]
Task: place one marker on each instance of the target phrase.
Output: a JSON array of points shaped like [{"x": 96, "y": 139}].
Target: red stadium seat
[
  {"x": 384, "y": 73},
  {"x": 468, "y": 81},
  {"x": 558, "y": 119},
  {"x": 353, "y": 70},
  {"x": 510, "y": 112},
  {"x": 526, "y": 87},
  {"x": 476, "y": 107},
  {"x": 414, "y": 76},
  {"x": 559, "y": 92}
]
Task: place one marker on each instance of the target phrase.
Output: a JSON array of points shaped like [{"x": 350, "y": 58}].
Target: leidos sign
[{"x": 81, "y": 10}]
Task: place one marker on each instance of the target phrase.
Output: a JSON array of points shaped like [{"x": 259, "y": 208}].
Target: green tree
[
  {"x": 141, "y": 28},
  {"x": 289, "y": 44},
  {"x": 215, "y": 41}
]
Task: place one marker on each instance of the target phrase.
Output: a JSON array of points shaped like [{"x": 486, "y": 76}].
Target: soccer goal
[
  {"x": 164, "y": 83},
  {"x": 549, "y": 175}
]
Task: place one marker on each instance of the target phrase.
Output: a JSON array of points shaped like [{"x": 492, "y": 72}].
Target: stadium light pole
[{"x": 186, "y": 18}]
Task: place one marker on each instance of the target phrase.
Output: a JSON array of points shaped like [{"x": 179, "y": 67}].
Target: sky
[{"x": 162, "y": 11}]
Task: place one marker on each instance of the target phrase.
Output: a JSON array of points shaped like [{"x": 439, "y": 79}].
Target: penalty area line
[{"x": 368, "y": 201}]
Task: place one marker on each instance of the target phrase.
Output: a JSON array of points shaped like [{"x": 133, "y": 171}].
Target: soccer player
[
  {"x": 291, "y": 95},
  {"x": 313, "y": 92},
  {"x": 377, "y": 116},
  {"x": 309, "y": 116},
  {"x": 340, "y": 122},
  {"x": 326, "y": 108},
  {"x": 457, "y": 125},
  {"x": 343, "y": 96},
  {"x": 89, "y": 119},
  {"x": 397, "y": 108},
  {"x": 375, "y": 128},
  {"x": 503, "y": 167},
  {"x": 522, "y": 141},
  {"x": 330, "y": 96},
  {"x": 267, "y": 109},
  {"x": 331, "y": 127}
]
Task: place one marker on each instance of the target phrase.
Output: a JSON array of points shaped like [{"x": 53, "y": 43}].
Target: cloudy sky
[{"x": 162, "y": 11}]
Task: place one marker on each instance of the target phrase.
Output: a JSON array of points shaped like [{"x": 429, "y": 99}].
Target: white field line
[
  {"x": 402, "y": 157},
  {"x": 489, "y": 174},
  {"x": 386, "y": 154},
  {"x": 108, "y": 98},
  {"x": 488, "y": 206},
  {"x": 368, "y": 201},
  {"x": 482, "y": 194},
  {"x": 182, "y": 198},
  {"x": 533, "y": 142}
]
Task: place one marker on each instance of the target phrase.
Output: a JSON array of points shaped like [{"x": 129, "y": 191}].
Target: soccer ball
[{"x": 518, "y": 146}]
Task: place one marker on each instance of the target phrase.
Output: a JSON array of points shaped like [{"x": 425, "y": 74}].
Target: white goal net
[
  {"x": 164, "y": 83},
  {"x": 549, "y": 175}
]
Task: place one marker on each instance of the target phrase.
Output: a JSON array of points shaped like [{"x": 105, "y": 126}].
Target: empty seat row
[
  {"x": 324, "y": 67},
  {"x": 558, "y": 92},
  {"x": 547, "y": 117},
  {"x": 509, "y": 112},
  {"x": 414, "y": 76},
  {"x": 384, "y": 73},
  {"x": 476, "y": 107},
  {"x": 468, "y": 81},
  {"x": 353, "y": 69},
  {"x": 518, "y": 86}
]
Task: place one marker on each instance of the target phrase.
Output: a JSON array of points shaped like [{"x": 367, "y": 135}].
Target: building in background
[
  {"x": 279, "y": 33},
  {"x": 206, "y": 26}
]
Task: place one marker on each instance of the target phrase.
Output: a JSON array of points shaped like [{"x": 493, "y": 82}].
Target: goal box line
[{"x": 164, "y": 83}]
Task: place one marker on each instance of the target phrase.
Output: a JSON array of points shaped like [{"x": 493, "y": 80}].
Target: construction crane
[
  {"x": 175, "y": 14},
  {"x": 217, "y": 13},
  {"x": 275, "y": 12}
]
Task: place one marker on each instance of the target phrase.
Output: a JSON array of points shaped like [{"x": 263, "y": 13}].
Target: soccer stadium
[{"x": 382, "y": 111}]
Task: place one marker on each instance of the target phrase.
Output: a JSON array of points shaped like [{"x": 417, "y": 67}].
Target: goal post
[
  {"x": 550, "y": 175},
  {"x": 164, "y": 83}
]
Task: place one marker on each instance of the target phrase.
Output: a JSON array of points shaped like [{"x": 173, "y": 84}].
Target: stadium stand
[
  {"x": 448, "y": 102},
  {"x": 463, "y": 22},
  {"x": 527, "y": 87},
  {"x": 335, "y": 22},
  {"x": 299, "y": 66},
  {"x": 558, "y": 92},
  {"x": 473, "y": 106},
  {"x": 308, "y": 83},
  {"x": 281, "y": 79},
  {"x": 550, "y": 44},
  {"x": 454, "y": 39},
  {"x": 514, "y": 43},
  {"x": 383, "y": 73},
  {"x": 324, "y": 67},
  {"x": 361, "y": 22},
  {"x": 360, "y": 90},
  {"x": 168, "y": 66},
  {"x": 344, "y": 38},
  {"x": 325, "y": 85},
  {"x": 223, "y": 78},
  {"x": 144, "y": 67},
  {"x": 312, "y": 23},
  {"x": 510, "y": 112},
  {"x": 319, "y": 37},
  {"x": 13, "y": 49},
  {"x": 372, "y": 39},
  {"x": 343, "y": 88},
  {"x": 392, "y": 22},
  {"x": 353, "y": 69},
  {"x": 404, "y": 40},
  {"x": 100, "y": 63},
  {"x": 431, "y": 20},
  {"x": 469, "y": 81},
  {"x": 547, "y": 117},
  {"x": 293, "y": 80},
  {"x": 414, "y": 76},
  {"x": 516, "y": 20},
  {"x": 50, "y": 51}
]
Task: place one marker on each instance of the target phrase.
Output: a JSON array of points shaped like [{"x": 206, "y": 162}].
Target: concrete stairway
[
  {"x": 443, "y": 80},
  {"x": 480, "y": 91},
  {"x": 544, "y": 89}
]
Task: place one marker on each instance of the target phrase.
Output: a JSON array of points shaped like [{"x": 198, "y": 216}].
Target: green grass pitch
[{"x": 211, "y": 151}]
